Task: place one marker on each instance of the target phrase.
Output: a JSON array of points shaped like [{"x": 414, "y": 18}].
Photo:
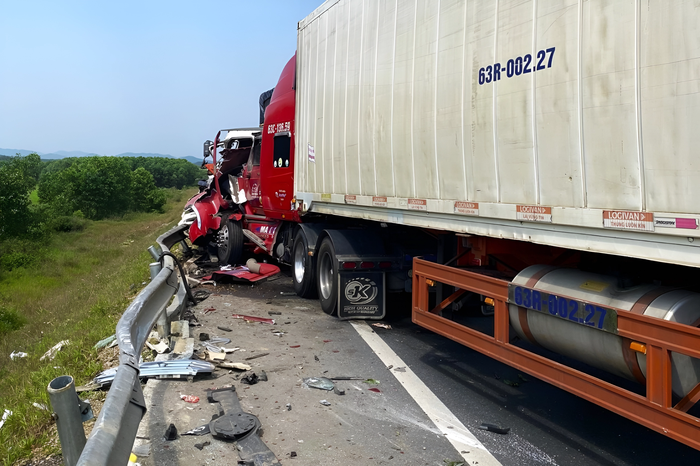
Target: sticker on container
[
  {"x": 379, "y": 201},
  {"x": 627, "y": 220},
  {"x": 467, "y": 208},
  {"x": 326, "y": 197},
  {"x": 417, "y": 204},
  {"x": 685, "y": 223},
  {"x": 312, "y": 154},
  {"x": 533, "y": 213},
  {"x": 350, "y": 199}
]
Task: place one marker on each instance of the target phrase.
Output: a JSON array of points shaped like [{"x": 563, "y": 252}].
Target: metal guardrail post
[
  {"x": 69, "y": 422},
  {"x": 162, "y": 324}
]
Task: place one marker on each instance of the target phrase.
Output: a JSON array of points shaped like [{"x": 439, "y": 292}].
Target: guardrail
[{"x": 114, "y": 432}]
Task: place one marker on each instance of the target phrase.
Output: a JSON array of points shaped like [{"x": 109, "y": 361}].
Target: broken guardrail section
[{"x": 115, "y": 430}]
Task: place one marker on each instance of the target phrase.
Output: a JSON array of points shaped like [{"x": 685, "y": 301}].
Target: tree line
[{"x": 84, "y": 188}]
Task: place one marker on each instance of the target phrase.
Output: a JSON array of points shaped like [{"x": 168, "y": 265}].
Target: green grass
[
  {"x": 34, "y": 196},
  {"x": 74, "y": 287}
]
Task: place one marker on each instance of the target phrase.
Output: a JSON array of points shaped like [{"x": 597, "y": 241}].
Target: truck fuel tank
[{"x": 574, "y": 313}]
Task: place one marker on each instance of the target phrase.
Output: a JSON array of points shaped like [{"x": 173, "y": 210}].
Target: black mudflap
[{"x": 361, "y": 295}]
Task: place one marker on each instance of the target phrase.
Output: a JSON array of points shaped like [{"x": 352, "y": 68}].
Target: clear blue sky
[{"x": 138, "y": 76}]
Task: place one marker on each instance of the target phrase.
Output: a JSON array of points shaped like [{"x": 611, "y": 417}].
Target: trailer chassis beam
[{"x": 654, "y": 410}]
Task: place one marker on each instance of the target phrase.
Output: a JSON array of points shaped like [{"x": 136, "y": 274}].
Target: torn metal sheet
[
  {"x": 243, "y": 274},
  {"x": 166, "y": 369},
  {"x": 50, "y": 354}
]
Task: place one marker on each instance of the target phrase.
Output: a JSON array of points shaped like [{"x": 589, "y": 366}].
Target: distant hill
[{"x": 62, "y": 154}]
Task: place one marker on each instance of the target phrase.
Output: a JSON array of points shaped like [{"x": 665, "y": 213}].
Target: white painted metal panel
[{"x": 581, "y": 106}]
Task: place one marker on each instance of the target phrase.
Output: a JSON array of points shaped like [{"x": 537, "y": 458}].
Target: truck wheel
[
  {"x": 327, "y": 277},
  {"x": 303, "y": 267},
  {"x": 229, "y": 240}
]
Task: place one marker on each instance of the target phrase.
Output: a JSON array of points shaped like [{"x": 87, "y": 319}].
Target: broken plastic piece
[
  {"x": 262, "y": 320},
  {"x": 375, "y": 390},
  {"x": 322, "y": 383},
  {"x": 171, "y": 432},
  {"x": 18, "y": 354},
  {"x": 274, "y": 313},
  {"x": 160, "y": 348},
  {"x": 201, "y": 446},
  {"x": 203, "y": 336},
  {"x": 201, "y": 430},
  {"x": 225, "y": 329},
  {"x": 263, "y": 376},
  {"x": 105, "y": 342},
  {"x": 293, "y": 454},
  {"x": 372, "y": 382},
  {"x": 5, "y": 415},
  {"x": 380, "y": 325},
  {"x": 325, "y": 402},
  {"x": 190, "y": 398},
  {"x": 50, "y": 354},
  {"x": 295, "y": 346},
  {"x": 494, "y": 428},
  {"x": 251, "y": 379},
  {"x": 338, "y": 391}
]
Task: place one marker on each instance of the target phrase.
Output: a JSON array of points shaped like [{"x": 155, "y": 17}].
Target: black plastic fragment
[
  {"x": 203, "y": 336},
  {"x": 250, "y": 379},
  {"x": 200, "y": 446},
  {"x": 171, "y": 432},
  {"x": 494, "y": 428},
  {"x": 225, "y": 329}
]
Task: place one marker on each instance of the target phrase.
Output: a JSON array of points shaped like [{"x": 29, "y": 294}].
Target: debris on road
[
  {"x": 160, "y": 348},
  {"x": 262, "y": 320},
  {"x": 263, "y": 376},
  {"x": 18, "y": 354},
  {"x": 244, "y": 274},
  {"x": 295, "y": 346},
  {"x": 190, "y": 398},
  {"x": 375, "y": 390},
  {"x": 289, "y": 406},
  {"x": 380, "y": 325},
  {"x": 174, "y": 369},
  {"x": 106, "y": 342},
  {"x": 322, "y": 383},
  {"x": 50, "y": 354},
  {"x": 239, "y": 366},
  {"x": 203, "y": 336},
  {"x": 338, "y": 391},
  {"x": 274, "y": 313},
  {"x": 251, "y": 379},
  {"x": 201, "y": 430},
  {"x": 494, "y": 428},
  {"x": 225, "y": 329},
  {"x": 200, "y": 446},
  {"x": 287, "y": 293},
  {"x": 372, "y": 382},
  {"x": 325, "y": 402},
  {"x": 256, "y": 356},
  {"x": 400, "y": 369},
  {"x": 170, "y": 433}
]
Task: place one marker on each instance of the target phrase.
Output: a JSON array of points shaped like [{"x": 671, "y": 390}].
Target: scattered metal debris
[
  {"x": 50, "y": 354},
  {"x": 494, "y": 428},
  {"x": 322, "y": 383},
  {"x": 105, "y": 342},
  {"x": 162, "y": 369},
  {"x": 338, "y": 391},
  {"x": 380, "y": 325},
  {"x": 256, "y": 356},
  {"x": 325, "y": 402},
  {"x": 170, "y": 433},
  {"x": 18, "y": 354},
  {"x": 262, "y": 320}
]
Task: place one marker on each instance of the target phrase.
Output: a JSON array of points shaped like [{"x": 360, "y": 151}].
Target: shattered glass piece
[{"x": 321, "y": 383}]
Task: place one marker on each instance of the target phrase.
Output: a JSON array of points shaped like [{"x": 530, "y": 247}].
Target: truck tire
[
  {"x": 303, "y": 267},
  {"x": 327, "y": 277},
  {"x": 229, "y": 241}
]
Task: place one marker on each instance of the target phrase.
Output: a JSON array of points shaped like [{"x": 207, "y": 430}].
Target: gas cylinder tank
[{"x": 572, "y": 313}]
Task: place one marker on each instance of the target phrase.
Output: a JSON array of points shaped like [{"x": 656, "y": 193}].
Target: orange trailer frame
[{"x": 658, "y": 337}]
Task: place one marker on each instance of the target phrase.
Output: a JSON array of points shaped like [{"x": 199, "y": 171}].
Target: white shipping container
[{"x": 562, "y": 122}]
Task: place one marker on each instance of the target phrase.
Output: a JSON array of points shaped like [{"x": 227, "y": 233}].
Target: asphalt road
[{"x": 363, "y": 427}]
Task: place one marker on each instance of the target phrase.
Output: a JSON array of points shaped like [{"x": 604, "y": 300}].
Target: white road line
[{"x": 459, "y": 436}]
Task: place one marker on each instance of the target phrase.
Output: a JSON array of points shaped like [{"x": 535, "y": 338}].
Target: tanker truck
[{"x": 531, "y": 166}]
